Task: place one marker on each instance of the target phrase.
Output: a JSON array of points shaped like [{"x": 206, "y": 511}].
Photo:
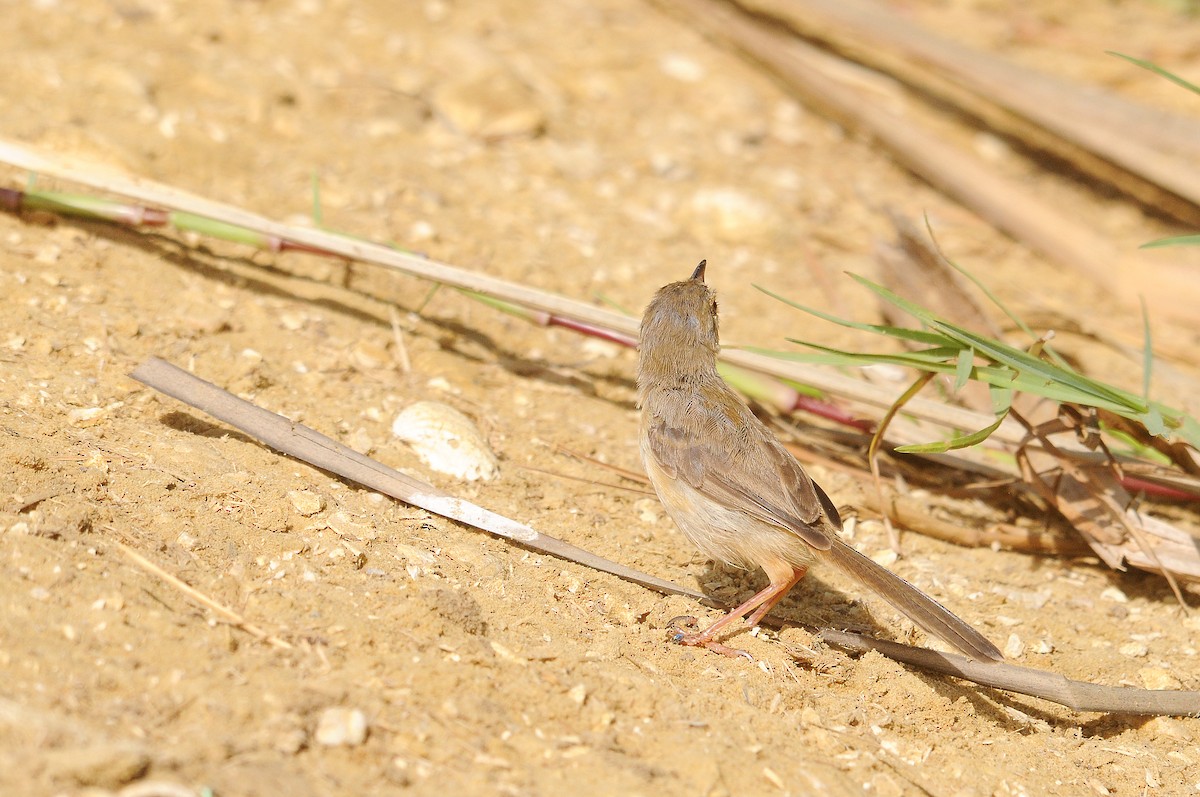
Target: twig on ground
[
  {"x": 229, "y": 615},
  {"x": 1076, "y": 695}
]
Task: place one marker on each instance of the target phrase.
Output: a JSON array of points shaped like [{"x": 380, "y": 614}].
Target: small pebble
[
  {"x": 1135, "y": 649},
  {"x": 105, "y": 765},
  {"x": 1030, "y": 599},
  {"x": 341, "y": 727},
  {"x": 489, "y": 105},
  {"x": 648, "y": 510},
  {"x": 292, "y": 321},
  {"x": 887, "y": 557},
  {"x": 348, "y": 528},
  {"x": 1042, "y": 647},
  {"x": 1158, "y": 678},
  {"x": 306, "y": 502},
  {"x": 730, "y": 215},
  {"x": 1115, "y": 595},
  {"x": 682, "y": 68},
  {"x": 82, "y": 417},
  {"x": 1014, "y": 648},
  {"x": 1168, "y": 728}
]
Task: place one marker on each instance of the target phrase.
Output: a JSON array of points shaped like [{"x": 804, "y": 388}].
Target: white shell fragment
[
  {"x": 446, "y": 440},
  {"x": 341, "y": 727}
]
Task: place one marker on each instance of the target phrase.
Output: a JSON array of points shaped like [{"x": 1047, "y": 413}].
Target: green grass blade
[
  {"x": 1188, "y": 429},
  {"x": 1021, "y": 360},
  {"x": 940, "y": 354},
  {"x": 902, "y": 333},
  {"x": 978, "y": 283},
  {"x": 939, "y": 360},
  {"x": 1178, "y": 240},
  {"x": 954, "y": 350},
  {"x": 219, "y": 229},
  {"x": 1153, "y": 421},
  {"x": 1001, "y": 398},
  {"x": 1158, "y": 70},
  {"x": 1015, "y": 358},
  {"x": 764, "y": 389}
]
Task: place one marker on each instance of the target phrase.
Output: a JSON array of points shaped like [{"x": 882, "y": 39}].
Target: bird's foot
[{"x": 702, "y": 639}]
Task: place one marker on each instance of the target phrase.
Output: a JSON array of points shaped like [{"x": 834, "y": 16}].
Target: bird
[{"x": 731, "y": 486}]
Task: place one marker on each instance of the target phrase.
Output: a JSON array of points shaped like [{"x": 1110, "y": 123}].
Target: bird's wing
[{"x": 731, "y": 458}]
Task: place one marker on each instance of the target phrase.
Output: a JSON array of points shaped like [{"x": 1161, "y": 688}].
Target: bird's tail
[{"x": 920, "y": 608}]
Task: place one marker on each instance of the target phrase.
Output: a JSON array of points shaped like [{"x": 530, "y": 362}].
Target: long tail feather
[{"x": 920, "y": 608}]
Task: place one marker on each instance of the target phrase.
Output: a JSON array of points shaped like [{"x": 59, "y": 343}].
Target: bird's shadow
[{"x": 814, "y": 604}]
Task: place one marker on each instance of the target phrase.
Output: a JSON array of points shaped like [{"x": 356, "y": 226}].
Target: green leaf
[
  {"x": 1122, "y": 442},
  {"x": 962, "y": 373},
  {"x": 1153, "y": 421},
  {"x": 1001, "y": 399},
  {"x": 1016, "y": 319},
  {"x": 1178, "y": 240},
  {"x": 1189, "y": 430},
  {"x": 963, "y": 441},
  {"x": 1001, "y": 402}
]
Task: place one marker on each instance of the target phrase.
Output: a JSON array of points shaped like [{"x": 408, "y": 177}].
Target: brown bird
[{"x": 731, "y": 486}]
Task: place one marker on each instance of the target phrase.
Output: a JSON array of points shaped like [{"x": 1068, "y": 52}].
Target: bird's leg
[
  {"x": 782, "y": 580},
  {"x": 762, "y": 611}
]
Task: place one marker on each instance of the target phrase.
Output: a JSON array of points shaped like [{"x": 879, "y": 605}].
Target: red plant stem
[
  {"x": 590, "y": 330},
  {"x": 1136, "y": 485},
  {"x": 832, "y": 412}
]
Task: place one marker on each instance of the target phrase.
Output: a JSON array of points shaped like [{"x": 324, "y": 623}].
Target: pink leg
[
  {"x": 797, "y": 574},
  {"x": 761, "y": 603}
]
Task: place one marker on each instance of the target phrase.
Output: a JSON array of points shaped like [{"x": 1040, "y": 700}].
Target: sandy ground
[{"x": 598, "y": 149}]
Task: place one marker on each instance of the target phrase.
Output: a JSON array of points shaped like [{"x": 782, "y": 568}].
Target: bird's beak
[{"x": 698, "y": 274}]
